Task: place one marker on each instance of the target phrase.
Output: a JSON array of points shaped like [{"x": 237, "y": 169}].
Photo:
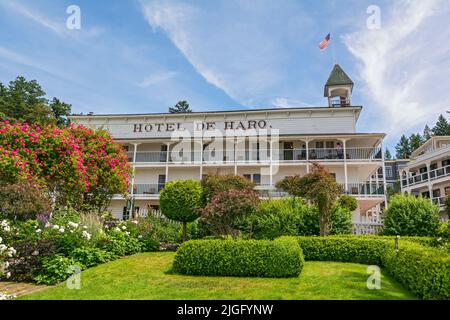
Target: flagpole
[{"x": 333, "y": 53}]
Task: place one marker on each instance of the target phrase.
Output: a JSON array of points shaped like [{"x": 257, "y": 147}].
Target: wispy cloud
[
  {"x": 289, "y": 103},
  {"x": 232, "y": 47},
  {"x": 156, "y": 78},
  {"x": 405, "y": 64}
]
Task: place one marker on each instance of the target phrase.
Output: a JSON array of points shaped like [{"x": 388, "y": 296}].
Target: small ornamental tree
[
  {"x": 181, "y": 201},
  {"x": 408, "y": 215},
  {"x": 213, "y": 184},
  {"x": 24, "y": 200},
  {"x": 227, "y": 207},
  {"x": 320, "y": 188}
]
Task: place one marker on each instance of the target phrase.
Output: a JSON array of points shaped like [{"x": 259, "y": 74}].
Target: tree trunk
[
  {"x": 184, "y": 231},
  {"x": 324, "y": 221}
]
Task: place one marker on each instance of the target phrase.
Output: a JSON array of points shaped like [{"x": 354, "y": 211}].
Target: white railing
[
  {"x": 367, "y": 227},
  {"x": 440, "y": 201},
  {"x": 426, "y": 176},
  {"x": 260, "y": 155},
  {"x": 147, "y": 189},
  {"x": 364, "y": 189}
]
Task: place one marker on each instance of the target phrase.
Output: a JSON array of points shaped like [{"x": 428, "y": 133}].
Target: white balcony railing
[
  {"x": 426, "y": 176},
  {"x": 260, "y": 155},
  {"x": 367, "y": 227}
]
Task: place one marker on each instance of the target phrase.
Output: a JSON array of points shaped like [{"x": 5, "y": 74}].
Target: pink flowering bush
[{"x": 80, "y": 167}]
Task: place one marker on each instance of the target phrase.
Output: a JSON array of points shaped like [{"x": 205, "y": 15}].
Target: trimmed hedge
[
  {"x": 423, "y": 270},
  {"x": 244, "y": 258},
  {"x": 365, "y": 250}
]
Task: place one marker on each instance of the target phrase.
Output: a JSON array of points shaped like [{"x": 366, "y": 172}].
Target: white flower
[
  {"x": 117, "y": 229},
  {"x": 135, "y": 221},
  {"x": 56, "y": 227},
  {"x": 439, "y": 239},
  {"x": 84, "y": 227},
  {"x": 1, "y": 239},
  {"x": 3, "y": 248},
  {"x": 127, "y": 233},
  {"x": 35, "y": 253},
  {"x": 11, "y": 252},
  {"x": 140, "y": 236},
  {"x": 38, "y": 231},
  {"x": 73, "y": 224},
  {"x": 61, "y": 230},
  {"x": 86, "y": 235},
  {"x": 6, "y": 228},
  {"x": 8, "y": 275},
  {"x": 124, "y": 227},
  {"x": 6, "y": 296},
  {"x": 6, "y": 265}
]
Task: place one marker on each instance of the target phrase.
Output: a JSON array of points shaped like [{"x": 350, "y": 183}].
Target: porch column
[
  {"x": 167, "y": 161},
  {"x": 344, "y": 148},
  {"x": 235, "y": 156},
  {"x": 201, "y": 158},
  {"x": 307, "y": 154},
  {"x": 271, "y": 162},
  {"x": 135, "y": 145},
  {"x": 384, "y": 174}
]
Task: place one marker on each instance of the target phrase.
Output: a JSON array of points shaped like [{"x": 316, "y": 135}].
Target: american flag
[{"x": 324, "y": 43}]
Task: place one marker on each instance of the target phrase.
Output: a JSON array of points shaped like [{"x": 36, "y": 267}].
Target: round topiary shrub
[
  {"x": 180, "y": 201},
  {"x": 408, "y": 215}
]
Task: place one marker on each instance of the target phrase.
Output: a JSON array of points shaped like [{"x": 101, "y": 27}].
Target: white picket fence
[{"x": 367, "y": 227}]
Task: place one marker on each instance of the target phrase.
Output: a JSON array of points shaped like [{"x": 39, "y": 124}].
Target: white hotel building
[
  {"x": 428, "y": 173},
  {"x": 263, "y": 145}
]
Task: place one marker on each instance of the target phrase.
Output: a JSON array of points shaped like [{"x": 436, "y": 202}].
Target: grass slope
[{"x": 144, "y": 276}]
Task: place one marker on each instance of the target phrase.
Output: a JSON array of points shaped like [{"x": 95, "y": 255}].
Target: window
[
  {"x": 333, "y": 175},
  {"x": 257, "y": 178},
  {"x": 388, "y": 171},
  {"x": 436, "y": 193},
  {"x": 426, "y": 194},
  {"x": 247, "y": 176},
  {"x": 126, "y": 148},
  {"x": 319, "y": 144},
  {"x": 125, "y": 214}
]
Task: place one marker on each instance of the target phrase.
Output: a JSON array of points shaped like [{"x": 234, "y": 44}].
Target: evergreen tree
[
  {"x": 442, "y": 127},
  {"x": 427, "y": 133},
  {"x": 403, "y": 148},
  {"x": 180, "y": 107},
  {"x": 415, "y": 141},
  {"x": 387, "y": 155},
  {"x": 24, "y": 100}
]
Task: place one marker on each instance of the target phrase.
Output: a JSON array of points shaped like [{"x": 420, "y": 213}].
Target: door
[
  {"x": 161, "y": 181},
  {"x": 288, "y": 150},
  {"x": 163, "y": 153}
]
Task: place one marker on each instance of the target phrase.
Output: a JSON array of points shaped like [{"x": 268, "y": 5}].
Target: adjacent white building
[
  {"x": 428, "y": 172},
  {"x": 262, "y": 145}
]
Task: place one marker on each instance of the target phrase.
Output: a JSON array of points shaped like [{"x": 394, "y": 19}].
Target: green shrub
[
  {"x": 293, "y": 217},
  {"x": 348, "y": 202},
  {"x": 90, "y": 257},
  {"x": 424, "y": 271},
  {"x": 444, "y": 231},
  {"x": 408, "y": 215},
  {"x": 120, "y": 244},
  {"x": 55, "y": 269},
  {"x": 180, "y": 201},
  {"x": 253, "y": 258},
  {"x": 345, "y": 249}
]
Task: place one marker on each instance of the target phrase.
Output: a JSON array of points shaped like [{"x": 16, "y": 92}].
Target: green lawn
[{"x": 144, "y": 276}]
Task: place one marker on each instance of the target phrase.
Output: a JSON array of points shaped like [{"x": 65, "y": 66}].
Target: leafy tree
[
  {"x": 213, "y": 184},
  {"x": 227, "y": 207},
  {"x": 80, "y": 167},
  {"x": 415, "y": 141},
  {"x": 427, "y": 133},
  {"x": 319, "y": 187},
  {"x": 403, "y": 148},
  {"x": 180, "y": 200},
  {"x": 408, "y": 215},
  {"x": 61, "y": 111},
  {"x": 180, "y": 107},
  {"x": 387, "y": 155},
  {"x": 442, "y": 127},
  {"x": 25, "y": 101}
]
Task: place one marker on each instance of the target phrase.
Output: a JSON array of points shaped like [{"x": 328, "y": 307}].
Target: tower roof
[{"x": 337, "y": 77}]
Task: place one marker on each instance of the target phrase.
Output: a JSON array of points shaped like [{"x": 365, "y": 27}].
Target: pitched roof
[{"x": 337, "y": 77}]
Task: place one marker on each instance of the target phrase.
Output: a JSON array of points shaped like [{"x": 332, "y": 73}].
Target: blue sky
[{"x": 142, "y": 56}]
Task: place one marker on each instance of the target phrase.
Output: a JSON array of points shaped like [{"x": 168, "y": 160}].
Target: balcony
[
  {"x": 440, "y": 201},
  {"x": 359, "y": 190},
  {"x": 255, "y": 156},
  {"x": 426, "y": 177},
  {"x": 147, "y": 189}
]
